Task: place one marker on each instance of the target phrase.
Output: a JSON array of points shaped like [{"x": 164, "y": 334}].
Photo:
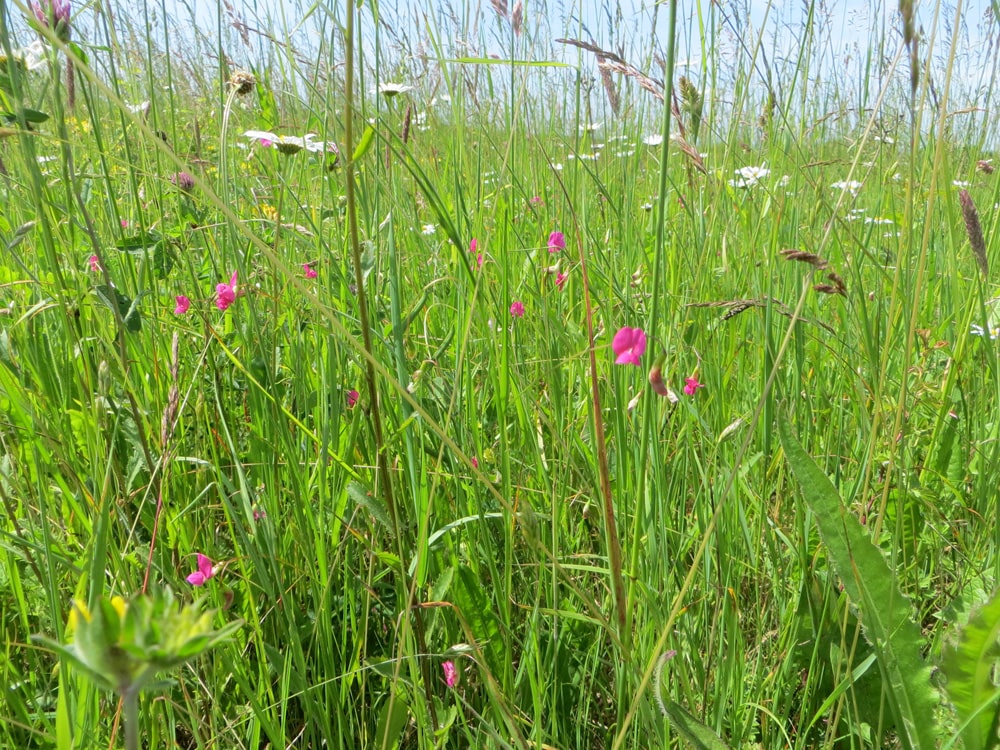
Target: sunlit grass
[{"x": 537, "y": 546}]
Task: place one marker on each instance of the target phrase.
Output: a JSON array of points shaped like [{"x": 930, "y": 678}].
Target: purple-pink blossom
[
  {"x": 225, "y": 294},
  {"x": 352, "y": 398},
  {"x": 691, "y": 385},
  {"x": 517, "y": 309},
  {"x": 310, "y": 272},
  {"x": 95, "y": 263},
  {"x": 450, "y": 674},
  {"x": 183, "y": 303},
  {"x": 557, "y": 242},
  {"x": 560, "y": 279},
  {"x": 629, "y": 345},
  {"x": 206, "y": 570}
]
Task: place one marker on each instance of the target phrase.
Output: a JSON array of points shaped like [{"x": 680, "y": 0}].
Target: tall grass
[{"x": 392, "y": 472}]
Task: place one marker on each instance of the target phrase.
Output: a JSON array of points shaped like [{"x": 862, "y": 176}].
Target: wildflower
[
  {"x": 536, "y": 201},
  {"x": 473, "y": 246},
  {"x": 428, "y": 229},
  {"x": 204, "y": 572},
  {"x": 629, "y": 344},
  {"x": 95, "y": 263},
  {"x": 517, "y": 309},
  {"x": 309, "y": 271},
  {"x": 258, "y": 514},
  {"x": 225, "y": 294},
  {"x": 960, "y": 183},
  {"x": 389, "y": 90},
  {"x": 560, "y": 279},
  {"x": 747, "y": 177},
  {"x": 656, "y": 379},
  {"x": 851, "y": 186},
  {"x": 450, "y": 673},
  {"x": 54, "y": 14},
  {"x": 242, "y": 82},
  {"x": 656, "y": 139},
  {"x": 183, "y": 303},
  {"x": 984, "y": 166},
  {"x": 976, "y": 330},
  {"x": 475, "y": 462},
  {"x": 557, "y": 242},
  {"x": 352, "y": 398},
  {"x": 183, "y": 180},
  {"x": 691, "y": 385},
  {"x": 124, "y": 223}
]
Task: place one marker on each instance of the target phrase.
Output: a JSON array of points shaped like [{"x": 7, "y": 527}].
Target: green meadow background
[{"x": 430, "y": 522}]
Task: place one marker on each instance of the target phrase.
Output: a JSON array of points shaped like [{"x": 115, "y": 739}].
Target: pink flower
[
  {"x": 537, "y": 201},
  {"x": 557, "y": 242},
  {"x": 309, "y": 271},
  {"x": 352, "y": 399},
  {"x": 124, "y": 223},
  {"x": 204, "y": 572},
  {"x": 450, "y": 673},
  {"x": 183, "y": 180},
  {"x": 475, "y": 462},
  {"x": 691, "y": 385},
  {"x": 183, "y": 303},
  {"x": 473, "y": 246},
  {"x": 95, "y": 264},
  {"x": 225, "y": 294},
  {"x": 629, "y": 344},
  {"x": 517, "y": 309},
  {"x": 560, "y": 279}
]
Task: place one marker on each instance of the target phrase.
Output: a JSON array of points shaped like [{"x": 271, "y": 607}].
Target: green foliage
[
  {"x": 886, "y": 614},
  {"x": 970, "y": 667}
]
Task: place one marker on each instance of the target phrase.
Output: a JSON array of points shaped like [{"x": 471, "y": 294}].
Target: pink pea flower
[
  {"x": 560, "y": 279},
  {"x": 309, "y": 271},
  {"x": 124, "y": 223},
  {"x": 691, "y": 385},
  {"x": 225, "y": 294},
  {"x": 473, "y": 246},
  {"x": 95, "y": 264},
  {"x": 450, "y": 673},
  {"x": 475, "y": 462},
  {"x": 183, "y": 303},
  {"x": 557, "y": 242},
  {"x": 517, "y": 309},
  {"x": 205, "y": 571},
  {"x": 352, "y": 398},
  {"x": 629, "y": 344}
]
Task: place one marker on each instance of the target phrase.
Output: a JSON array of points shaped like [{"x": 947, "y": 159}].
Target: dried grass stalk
[{"x": 975, "y": 231}]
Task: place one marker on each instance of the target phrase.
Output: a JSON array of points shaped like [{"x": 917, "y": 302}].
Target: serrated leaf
[
  {"x": 367, "y": 500},
  {"x": 698, "y": 735},
  {"x": 969, "y": 666},
  {"x": 885, "y": 613},
  {"x": 477, "y": 611}
]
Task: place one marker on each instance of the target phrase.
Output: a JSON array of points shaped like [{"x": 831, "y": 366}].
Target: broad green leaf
[
  {"x": 477, "y": 611},
  {"x": 696, "y": 734},
  {"x": 364, "y": 144},
  {"x": 970, "y": 665},
  {"x": 885, "y": 613},
  {"x": 128, "y": 310}
]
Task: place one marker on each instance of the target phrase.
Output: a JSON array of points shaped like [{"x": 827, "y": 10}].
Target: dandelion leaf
[
  {"x": 886, "y": 613},
  {"x": 970, "y": 665},
  {"x": 478, "y": 613},
  {"x": 696, "y": 734}
]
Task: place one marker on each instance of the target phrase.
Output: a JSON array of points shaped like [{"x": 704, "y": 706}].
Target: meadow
[{"x": 465, "y": 380}]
